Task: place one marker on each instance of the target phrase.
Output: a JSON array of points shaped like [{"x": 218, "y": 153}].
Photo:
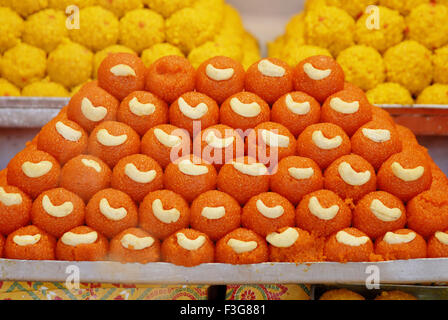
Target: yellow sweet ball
[
  {"x": 45, "y": 29},
  {"x": 141, "y": 29},
  {"x": 63, "y": 4},
  {"x": 428, "y": 24},
  {"x": 329, "y": 27},
  {"x": 70, "y": 64},
  {"x": 390, "y": 32},
  {"x": 440, "y": 62},
  {"x": 275, "y": 48},
  {"x": 250, "y": 49},
  {"x": 435, "y": 94},
  {"x": 211, "y": 49},
  {"x": 11, "y": 28},
  {"x": 159, "y": 50},
  {"x": 363, "y": 66},
  {"x": 231, "y": 26},
  {"x": 409, "y": 64},
  {"x": 101, "y": 55},
  {"x": 355, "y": 8},
  {"x": 7, "y": 89},
  {"x": 120, "y": 7},
  {"x": 167, "y": 7},
  {"x": 314, "y": 4},
  {"x": 23, "y": 64},
  {"x": 403, "y": 6},
  {"x": 27, "y": 7},
  {"x": 389, "y": 93},
  {"x": 99, "y": 28},
  {"x": 45, "y": 88},
  {"x": 296, "y": 26},
  {"x": 294, "y": 52}
]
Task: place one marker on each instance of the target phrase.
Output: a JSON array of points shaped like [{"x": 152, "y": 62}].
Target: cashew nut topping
[
  {"x": 36, "y": 170},
  {"x": 91, "y": 164},
  {"x": 139, "y": 176},
  {"x": 74, "y": 239},
  {"x": 189, "y": 168},
  {"x": 376, "y": 135},
  {"x": 166, "y": 139},
  {"x": 130, "y": 240},
  {"x": 213, "y": 213},
  {"x": 67, "y": 132},
  {"x": 351, "y": 177},
  {"x": 247, "y": 110},
  {"x": 268, "y": 69},
  {"x": 122, "y": 70},
  {"x": 314, "y": 73},
  {"x": 141, "y": 109},
  {"x": 253, "y": 169},
  {"x": 396, "y": 238},
  {"x": 10, "y": 199},
  {"x": 218, "y": 143},
  {"x": 106, "y": 139},
  {"x": 274, "y": 140},
  {"x": 189, "y": 244},
  {"x": 407, "y": 175},
  {"x": 240, "y": 246},
  {"x": 57, "y": 211},
  {"x": 112, "y": 213},
  {"x": 341, "y": 106},
  {"x": 324, "y": 143},
  {"x": 384, "y": 213},
  {"x": 283, "y": 240},
  {"x": 269, "y": 212},
  {"x": 301, "y": 173},
  {"x": 166, "y": 216},
  {"x": 300, "y": 108},
  {"x": 194, "y": 113},
  {"x": 442, "y": 237},
  {"x": 218, "y": 74},
  {"x": 322, "y": 213},
  {"x": 26, "y": 240},
  {"x": 91, "y": 112},
  {"x": 351, "y": 240}
]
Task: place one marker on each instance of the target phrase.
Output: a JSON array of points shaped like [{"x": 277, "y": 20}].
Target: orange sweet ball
[
  {"x": 381, "y": 115},
  {"x": 379, "y": 212},
  {"x": 269, "y": 78},
  {"x": 438, "y": 245},
  {"x": 405, "y": 174},
  {"x": 401, "y": 244},
  {"x": 163, "y": 212},
  {"x": 188, "y": 248},
  {"x": 241, "y": 246},
  {"x": 85, "y": 175},
  {"x": 267, "y": 212},
  {"x": 324, "y": 143},
  {"x": 305, "y": 248},
  {"x": 351, "y": 177},
  {"x": 3, "y": 177},
  {"x": 428, "y": 212},
  {"x": 220, "y": 77},
  {"x": 56, "y": 211},
  {"x": 110, "y": 141},
  {"x": 134, "y": 245},
  {"x": 169, "y": 77},
  {"x": 244, "y": 110},
  {"x": 348, "y": 109},
  {"x": 121, "y": 73},
  {"x": 215, "y": 213},
  {"x": 137, "y": 175},
  {"x": 82, "y": 244},
  {"x": 322, "y": 213},
  {"x": 33, "y": 172},
  {"x": 354, "y": 87},
  {"x": 296, "y": 177},
  {"x": 194, "y": 112},
  {"x": 111, "y": 211},
  {"x": 15, "y": 208},
  {"x": 142, "y": 110},
  {"x": 407, "y": 137},
  {"x": 376, "y": 141},
  {"x": 30, "y": 243},
  {"x": 296, "y": 111},
  {"x": 91, "y": 106},
  {"x": 243, "y": 179},
  {"x": 319, "y": 76},
  {"x": 2, "y": 245},
  {"x": 348, "y": 245}
]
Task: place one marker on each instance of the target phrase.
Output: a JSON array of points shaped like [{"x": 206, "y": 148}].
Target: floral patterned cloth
[{"x": 268, "y": 292}]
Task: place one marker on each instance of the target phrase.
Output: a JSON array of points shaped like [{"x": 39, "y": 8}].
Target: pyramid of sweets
[
  {"x": 219, "y": 164},
  {"x": 396, "y": 50},
  {"x": 51, "y": 48}
]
